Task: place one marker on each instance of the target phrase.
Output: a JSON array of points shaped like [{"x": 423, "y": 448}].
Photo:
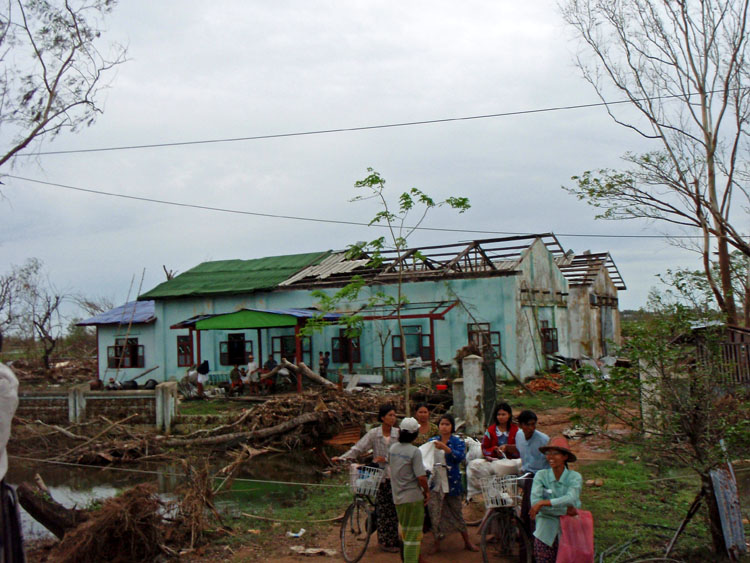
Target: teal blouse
[{"x": 562, "y": 494}]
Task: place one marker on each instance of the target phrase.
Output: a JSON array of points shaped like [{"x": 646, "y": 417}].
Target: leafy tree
[
  {"x": 394, "y": 218},
  {"x": 675, "y": 400},
  {"x": 53, "y": 69},
  {"x": 683, "y": 68},
  {"x": 691, "y": 287}
]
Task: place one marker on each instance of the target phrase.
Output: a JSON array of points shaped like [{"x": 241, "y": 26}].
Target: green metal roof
[
  {"x": 246, "y": 319},
  {"x": 231, "y": 277}
]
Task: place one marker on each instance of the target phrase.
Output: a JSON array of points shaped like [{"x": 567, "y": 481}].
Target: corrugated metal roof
[
  {"x": 231, "y": 277},
  {"x": 133, "y": 312},
  {"x": 582, "y": 269},
  {"x": 336, "y": 263}
]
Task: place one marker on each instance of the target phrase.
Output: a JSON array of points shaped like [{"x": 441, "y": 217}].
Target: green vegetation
[
  {"x": 516, "y": 397},
  {"x": 211, "y": 406},
  {"x": 637, "y": 504}
]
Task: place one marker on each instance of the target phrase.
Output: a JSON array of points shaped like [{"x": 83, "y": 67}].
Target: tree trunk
[
  {"x": 306, "y": 371},
  {"x": 239, "y": 437},
  {"x": 50, "y": 514}
]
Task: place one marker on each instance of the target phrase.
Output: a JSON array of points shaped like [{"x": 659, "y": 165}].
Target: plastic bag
[{"x": 577, "y": 538}]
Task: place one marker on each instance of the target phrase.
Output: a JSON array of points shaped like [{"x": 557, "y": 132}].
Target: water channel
[{"x": 256, "y": 486}]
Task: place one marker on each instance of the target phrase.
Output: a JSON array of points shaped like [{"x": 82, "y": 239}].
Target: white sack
[
  {"x": 430, "y": 456},
  {"x": 8, "y": 405}
]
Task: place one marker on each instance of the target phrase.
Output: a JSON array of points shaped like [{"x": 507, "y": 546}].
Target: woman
[
  {"x": 379, "y": 439},
  {"x": 445, "y": 508},
  {"x": 500, "y": 439},
  {"x": 555, "y": 492},
  {"x": 410, "y": 490},
  {"x": 427, "y": 429}
]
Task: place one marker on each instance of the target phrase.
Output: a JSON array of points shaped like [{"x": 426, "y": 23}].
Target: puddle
[{"x": 80, "y": 486}]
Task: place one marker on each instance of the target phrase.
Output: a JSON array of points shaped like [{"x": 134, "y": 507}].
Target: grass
[
  {"x": 211, "y": 406},
  {"x": 518, "y": 398},
  {"x": 636, "y": 504},
  {"x": 299, "y": 507}
]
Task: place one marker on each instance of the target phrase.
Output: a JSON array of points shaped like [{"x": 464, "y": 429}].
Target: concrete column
[
  {"x": 166, "y": 398},
  {"x": 77, "y": 402},
  {"x": 473, "y": 394},
  {"x": 459, "y": 406}
]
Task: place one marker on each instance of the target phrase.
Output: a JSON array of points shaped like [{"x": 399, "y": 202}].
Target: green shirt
[{"x": 562, "y": 494}]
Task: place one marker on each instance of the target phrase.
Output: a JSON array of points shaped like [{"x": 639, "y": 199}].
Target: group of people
[
  {"x": 254, "y": 379},
  {"x": 406, "y": 500}
]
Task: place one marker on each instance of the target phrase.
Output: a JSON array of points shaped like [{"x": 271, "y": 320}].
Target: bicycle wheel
[
  {"x": 504, "y": 535},
  {"x": 355, "y": 531}
]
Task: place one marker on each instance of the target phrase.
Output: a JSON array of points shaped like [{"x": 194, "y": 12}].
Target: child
[{"x": 410, "y": 490}]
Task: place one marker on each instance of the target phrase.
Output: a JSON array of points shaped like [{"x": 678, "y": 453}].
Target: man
[
  {"x": 322, "y": 366},
  {"x": 252, "y": 376},
  {"x": 270, "y": 364},
  {"x": 528, "y": 442},
  {"x": 11, "y": 544}
]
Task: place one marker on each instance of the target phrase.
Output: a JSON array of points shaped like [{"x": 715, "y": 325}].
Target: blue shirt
[
  {"x": 453, "y": 461},
  {"x": 533, "y": 460}
]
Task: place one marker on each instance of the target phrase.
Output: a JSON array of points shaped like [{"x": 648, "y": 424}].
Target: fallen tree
[
  {"x": 306, "y": 371},
  {"x": 48, "y": 512},
  {"x": 235, "y": 438}
]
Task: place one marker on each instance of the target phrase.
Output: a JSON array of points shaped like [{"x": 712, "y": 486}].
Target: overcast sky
[{"x": 200, "y": 70}]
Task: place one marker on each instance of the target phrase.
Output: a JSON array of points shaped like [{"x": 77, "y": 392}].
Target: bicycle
[
  {"x": 501, "y": 526},
  {"x": 360, "y": 518}
]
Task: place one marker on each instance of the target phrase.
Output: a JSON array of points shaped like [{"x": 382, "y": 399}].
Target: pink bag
[{"x": 577, "y": 538}]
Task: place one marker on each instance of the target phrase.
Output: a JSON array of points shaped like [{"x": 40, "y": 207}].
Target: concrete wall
[
  {"x": 542, "y": 296},
  {"x": 145, "y": 333},
  {"x": 591, "y": 326},
  {"x": 489, "y": 300}
]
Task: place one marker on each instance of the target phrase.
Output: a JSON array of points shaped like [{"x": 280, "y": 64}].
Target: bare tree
[
  {"x": 683, "y": 68},
  {"x": 38, "y": 307},
  {"x": 53, "y": 69},
  {"x": 94, "y": 305}
]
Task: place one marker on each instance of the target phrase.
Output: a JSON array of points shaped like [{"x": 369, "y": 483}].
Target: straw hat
[{"x": 560, "y": 444}]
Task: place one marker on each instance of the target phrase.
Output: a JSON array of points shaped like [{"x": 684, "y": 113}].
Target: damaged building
[{"x": 524, "y": 297}]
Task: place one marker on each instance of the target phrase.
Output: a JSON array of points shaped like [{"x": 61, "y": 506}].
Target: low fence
[{"x": 79, "y": 403}]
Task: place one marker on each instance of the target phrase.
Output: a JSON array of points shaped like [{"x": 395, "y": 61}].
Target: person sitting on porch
[{"x": 235, "y": 377}]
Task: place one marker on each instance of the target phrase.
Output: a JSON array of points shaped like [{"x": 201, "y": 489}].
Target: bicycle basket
[
  {"x": 365, "y": 480},
  {"x": 500, "y": 491}
]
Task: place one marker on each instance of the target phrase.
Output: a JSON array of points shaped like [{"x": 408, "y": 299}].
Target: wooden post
[
  {"x": 298, "y": 355},
  {"x": 433, "y": 362},
  {"x": 198, "y": 346}
]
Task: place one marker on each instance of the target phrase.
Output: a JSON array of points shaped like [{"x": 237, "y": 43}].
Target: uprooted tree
[
  {"x": 683, "y": 69},
  {"x": 677, "y": 399},
  {"x": 393, "y": 218},
  {"x": 53, "y": 68}
]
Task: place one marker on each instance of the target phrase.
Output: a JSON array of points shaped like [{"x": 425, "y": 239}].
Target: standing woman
[
  {"x": 500, "y": 438},
  {"x": 555, "y": 492},
  {"x": 427, "y": 429},
  {"x": 380, "y": 439},
  {"x": 445, "y": 508}
]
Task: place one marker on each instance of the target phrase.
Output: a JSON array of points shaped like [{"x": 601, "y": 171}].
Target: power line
[
  {"x": 352, "y": 129},
  {"x": 332, "y": 221}
]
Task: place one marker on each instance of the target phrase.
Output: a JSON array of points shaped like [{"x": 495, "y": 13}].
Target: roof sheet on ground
[
  {"x": 231, "y": 277},
  {"x": 133, "y": 312},
  {"x": 260, "y": 318}
]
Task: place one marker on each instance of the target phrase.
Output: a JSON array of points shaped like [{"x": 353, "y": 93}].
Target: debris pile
[
  {"x": 32, "y": 372},
  {"x": 548, "y": 383},
  {"x": 126, "y": 528}
]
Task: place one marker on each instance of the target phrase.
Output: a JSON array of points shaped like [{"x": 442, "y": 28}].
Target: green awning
[{"x": 245, "y": 320}]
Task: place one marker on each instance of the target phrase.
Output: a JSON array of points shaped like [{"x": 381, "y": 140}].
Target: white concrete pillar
[
  {"x": 165, "y": 396},
  {"x": 77, "y": 402},
  {"x": 473, "y": 394},
  {"x": 459, "y": 406}
]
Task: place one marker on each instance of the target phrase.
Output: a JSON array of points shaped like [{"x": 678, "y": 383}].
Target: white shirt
[{"x": 252, "y": 374}]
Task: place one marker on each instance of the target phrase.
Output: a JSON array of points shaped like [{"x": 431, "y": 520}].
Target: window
[
  {"x": 286, "y": 347},
  {"x": 235, "y": 350},
  {"x": 126, "y": 353},
  {"x": 417, "y": 344},
  {"x": 184, "y": 350},
  {"x": 343, "y": 349},
  {"x": 481, "y": 335},
  {"x": 549, "y": 340}
]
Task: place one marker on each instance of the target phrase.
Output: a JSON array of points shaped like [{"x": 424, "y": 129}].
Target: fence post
[{"x": 77, "y": 402}]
